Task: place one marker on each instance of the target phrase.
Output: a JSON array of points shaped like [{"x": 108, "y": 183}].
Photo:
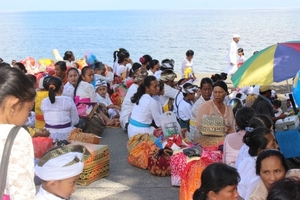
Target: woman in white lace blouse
[
  {"x": 17, "y": 95},
  {"x": 59, "y": 111}
]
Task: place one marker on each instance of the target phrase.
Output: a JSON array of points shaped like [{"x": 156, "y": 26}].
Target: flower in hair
[{"x": 51, "y": 86}]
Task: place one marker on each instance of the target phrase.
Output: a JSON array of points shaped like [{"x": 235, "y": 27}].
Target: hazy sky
[{"x": 25, "y": 5}]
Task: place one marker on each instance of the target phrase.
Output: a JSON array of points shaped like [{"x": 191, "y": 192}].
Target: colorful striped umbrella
[{"x": 276, "y": 63}]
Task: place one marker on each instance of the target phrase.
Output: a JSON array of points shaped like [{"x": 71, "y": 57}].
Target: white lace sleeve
[
  {"x": 20, "y": 174},
  {"x": 74, "y": 114}
]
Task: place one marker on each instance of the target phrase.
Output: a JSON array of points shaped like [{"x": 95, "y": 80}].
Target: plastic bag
[
  {"x": 169, "y": 124},
  {"x": 41, "y": 145}
]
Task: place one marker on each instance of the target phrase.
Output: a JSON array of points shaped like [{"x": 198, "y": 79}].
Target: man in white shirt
[{"x": 232, "y": 55}]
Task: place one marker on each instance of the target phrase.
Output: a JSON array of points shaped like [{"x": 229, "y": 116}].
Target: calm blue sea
[{"x": 162, "y": 34}]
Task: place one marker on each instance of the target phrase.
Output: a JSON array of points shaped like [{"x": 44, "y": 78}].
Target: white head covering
[
  {"x": 99, "y": 83},
  {"x": 62, "y": 163},
  {"x": 235, "y": 35}
]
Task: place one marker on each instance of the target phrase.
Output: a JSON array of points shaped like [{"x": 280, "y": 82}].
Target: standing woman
[
  {"x": 17, "y": 95},
  {"x": 214, "y": 119},
  {"x": 206, "y": 86},
  {"x": 59, "y": 111},
  {"x": 218, "y": 182},
  {"x": 187, "y": 69},
  {"x": 145, "y": 109},
  {"x": 73, "y": 75}
]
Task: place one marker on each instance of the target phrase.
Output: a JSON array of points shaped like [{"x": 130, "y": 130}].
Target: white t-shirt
[
  {"x": 186, "y": 64},
  {"x": 68, "y": 90},
  {"x": 185, "y": 110},
  {"x": 104, "y": 100}
]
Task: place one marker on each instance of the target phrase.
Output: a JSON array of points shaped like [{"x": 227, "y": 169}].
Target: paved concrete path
[{"x": 125, "y": 182}]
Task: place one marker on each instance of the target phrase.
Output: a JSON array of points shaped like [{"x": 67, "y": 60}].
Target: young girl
[
  {"x": 103, "y": 100},
  {"x": 85, "y": 91},
  {"x": 241, "y": 58},
  {"x": 184, "y": 111},
  {"x": 59, "y": 111},
  {"x": 73, "y": 75},
  {"x": 187, "y": 69},
  {"x": 123, "y": 59}
]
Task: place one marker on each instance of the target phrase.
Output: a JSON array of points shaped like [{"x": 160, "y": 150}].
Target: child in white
[{"x": 103, "y": 100}]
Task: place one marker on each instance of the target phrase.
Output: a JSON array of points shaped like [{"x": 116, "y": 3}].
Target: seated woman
[
  {"x": 257, "y": 140},
  {"x": 184, "y": 110},
  {"x": 60, "y": 71},
  {"x": 271, "y": 166},
  {"x": 145, "y": 109},
  {"x": 73, "y": 75},
  {"x": 233, "y": 142},
  {"x": 218, "y": 181},
  {"x": 59, "y": 111},
  {"x": 126, "y": 108},
  {"x": 206, "y": 86},
  {"x": 256, "y": 121},
  {"x": 214, "y": 119}
]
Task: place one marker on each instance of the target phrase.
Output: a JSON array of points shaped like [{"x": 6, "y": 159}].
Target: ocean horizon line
[{"x": 158, "y": 9}]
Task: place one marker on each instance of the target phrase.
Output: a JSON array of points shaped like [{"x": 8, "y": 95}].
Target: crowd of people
[{"x": 134, "y": 96}]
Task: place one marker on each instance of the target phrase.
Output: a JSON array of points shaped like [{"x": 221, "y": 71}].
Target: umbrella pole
[{"x": 288, "y": 87}]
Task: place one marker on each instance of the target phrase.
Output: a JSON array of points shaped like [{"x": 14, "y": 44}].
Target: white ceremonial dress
[
  {"x": 107, "y": 101},
  {"x": 231, "y": 58},
  {"x": 61, "y": 112},
  {"x": 120, "y": 70},
  {"x": 86, "y": 90},
  {"x": 127, "y": 105},
  {"x": 20, "y": 172},
  {"x": 68, "y": 90},
  {"x": 143, "y": 114},
  {"x": 186, "y": 64},
  {"x": 169, "y": 93}
]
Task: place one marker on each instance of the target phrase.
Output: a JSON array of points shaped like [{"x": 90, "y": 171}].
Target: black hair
[
  {"x": 32, "y": 78},
  {"x": 169, "y": 62},
  {"x": 21, "y": 66},
  {"x": 180, "y": 81},
  {"x": 83, "y": 72},
  {"x": 52, "y": 84},
  {"x": 189, "y": 53},
  {"x": 223, "y": 76},
  {"x": 269, "y": 153},
  {"x": 214, "y": 178},
  {"x": 74, "y": 69},
  {"x": 68, "y": 55},
  {"x": 206, "y": 80},
  {"x": 255, "y": 52},
  {"x": 121, "y": 54},
  {"x": 243, "y": 116},
  {"x": 4, "y": 64},
  {"x": 216, "y": 77},
  {"x": 161, "y": 85},
  {"x": 152, "y": 63},
  {"x": 145, "y": 58},
  {"x": 62, "y": 65},
  {"x": 256, "y": 139},
  {"x": 142, "y": 89},
  {"x": 241, "y": 50},
  {"x": 184, "y": 87},
  {"x": 260, "y": 120},
  {"x": 13, "y": 82},
  {"x": 221, "y": 84},
  {"x": 277, "y": 103},
  {"x": 134, "y": 68},
  {"x": 285, "y": 189},
  {"x": 99, "y": 66}
]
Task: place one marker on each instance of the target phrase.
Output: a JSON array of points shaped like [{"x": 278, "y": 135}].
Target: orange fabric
[
  {"x": 139, "y": 155},
  {"x": 191, "y": 179}
]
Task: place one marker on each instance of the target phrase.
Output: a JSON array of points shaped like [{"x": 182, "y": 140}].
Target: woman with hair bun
[
  {"x": 145, "y": 60},
  {"x": 17, "y": 95},
  {"x": 122, "y": 57},
  {"x": 257, "y": 140},
  {"x": 218, "y": 182},
  {"x": 59, "y": 111}
]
